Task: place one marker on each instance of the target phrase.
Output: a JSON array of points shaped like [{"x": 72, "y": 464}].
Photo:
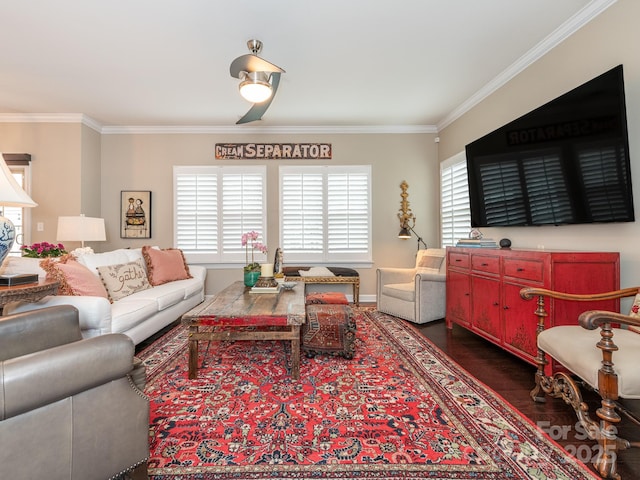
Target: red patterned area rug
[{"x": 400, "y": 409}]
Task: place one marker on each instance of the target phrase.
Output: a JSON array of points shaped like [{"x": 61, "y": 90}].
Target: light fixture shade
[
  {"x": 404, "y": 233},
  {"x": 255, "y": 87},
  {"x": 12, "y": 194},
  {"x": 81, "y": 229}
]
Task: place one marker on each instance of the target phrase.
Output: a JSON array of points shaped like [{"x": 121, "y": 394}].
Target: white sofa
[{"x": 138, "y": 315}]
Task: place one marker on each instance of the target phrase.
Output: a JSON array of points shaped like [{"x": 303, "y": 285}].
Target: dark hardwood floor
[{"x": 512, "y": 379}]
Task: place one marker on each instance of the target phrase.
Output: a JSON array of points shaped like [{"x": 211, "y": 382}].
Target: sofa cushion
[
  {"x": 129, "y": 312},
  {"x": 75, "y": 279},
  {"x": 163, "y": 295},
  {"x": 403, "y": 291},
  {"x": 635, "y": 313},
  {"x": 124, "y": 279},
  {"x": 165, "y": 265}
]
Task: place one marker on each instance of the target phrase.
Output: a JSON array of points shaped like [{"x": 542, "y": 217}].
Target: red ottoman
[{"x": 329, "y": 329}]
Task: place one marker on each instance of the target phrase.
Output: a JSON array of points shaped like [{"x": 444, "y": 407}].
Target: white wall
[{"x": 609, "y": 40}]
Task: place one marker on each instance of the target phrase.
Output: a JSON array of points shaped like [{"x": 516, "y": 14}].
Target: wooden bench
[{"x": 341, "y": 275}]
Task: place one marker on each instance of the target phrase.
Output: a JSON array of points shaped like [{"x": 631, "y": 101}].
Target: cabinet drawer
[
  {"x": 484, "y": 263},
  {"x": 459, "y": 260},
  {"x": 524, "y": 269}
]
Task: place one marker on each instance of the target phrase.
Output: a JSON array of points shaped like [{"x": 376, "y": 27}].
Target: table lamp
[
  {"x": 81, "y": 229},
  {"x": 11, "y": 195}
]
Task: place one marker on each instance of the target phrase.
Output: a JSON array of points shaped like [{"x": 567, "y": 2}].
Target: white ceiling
[{"x": 348, "y": 62}]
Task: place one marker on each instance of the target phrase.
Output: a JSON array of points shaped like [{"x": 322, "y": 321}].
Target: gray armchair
[
  {"x": 69, "y": 408},
  {"x": 416, "y": 294}
]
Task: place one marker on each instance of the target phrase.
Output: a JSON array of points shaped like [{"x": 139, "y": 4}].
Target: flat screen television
[{"x": 566, "y": 162}]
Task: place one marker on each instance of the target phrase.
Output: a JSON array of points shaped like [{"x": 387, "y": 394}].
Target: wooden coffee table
[
  {"x": 29, "y": 292},
  {"x": 236, "y": 308}
]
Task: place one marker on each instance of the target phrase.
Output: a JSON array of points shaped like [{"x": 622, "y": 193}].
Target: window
[
  {"x": 214, "y": 206},
  {"x": 18, "y": 215},
  {"x": 325, "y": 213},
  {"x": 455, "y": 213}
]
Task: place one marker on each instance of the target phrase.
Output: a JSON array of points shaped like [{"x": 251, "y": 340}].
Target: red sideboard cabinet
[{"x": 483, "y": 291}]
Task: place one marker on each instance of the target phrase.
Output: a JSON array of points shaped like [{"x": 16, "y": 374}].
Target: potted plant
[{"x": 252, "y": 269}]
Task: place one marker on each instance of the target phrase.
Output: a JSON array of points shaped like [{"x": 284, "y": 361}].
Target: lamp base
[{"x": 7, "y": 237}]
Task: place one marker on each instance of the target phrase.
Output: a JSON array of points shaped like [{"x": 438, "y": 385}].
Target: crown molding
[
  {"x": 555, "y": 38},
  {"x": 290, "y": 130},
  {"x": 219, "y": 129}
]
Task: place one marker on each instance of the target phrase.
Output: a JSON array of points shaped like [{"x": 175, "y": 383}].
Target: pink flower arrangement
[
  {"x": 250, "y": 239},
  {"x": 43, "y": 249}
]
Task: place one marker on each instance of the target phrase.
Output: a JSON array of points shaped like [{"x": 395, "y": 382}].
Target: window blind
[
  {"x": 455, "y": 213},
  {"x": 214, "y": 206},
  {"x": 325, "y": 213}
]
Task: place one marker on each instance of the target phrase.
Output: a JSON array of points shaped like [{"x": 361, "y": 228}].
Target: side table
[{"x": 29, "y": 292}]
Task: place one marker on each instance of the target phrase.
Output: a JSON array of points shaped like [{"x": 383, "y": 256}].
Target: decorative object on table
[
  {"x": 288, "y": 285},
  {"x": 475, "y": 234},
  {"x": 505, "y": 243},
  {"x": 43, "y": 250},
  {"x": 278, "y": 262},
  {"x": 18, "y": 279},
  {"x": 407, "y": 218},
  {"x": 252, "y": 269},
  {"x": 266, "y": 279},
  {"x": 11, "y": 195},
  {"x": 135, "y": 214},
  {"x": 81, "y": 229}
]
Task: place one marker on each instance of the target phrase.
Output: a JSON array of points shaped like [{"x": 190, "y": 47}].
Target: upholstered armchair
[
  {"x": 69, "y": 408},
  {"x": 596, "y": 354},
  {"x": 416, "y": 294}
]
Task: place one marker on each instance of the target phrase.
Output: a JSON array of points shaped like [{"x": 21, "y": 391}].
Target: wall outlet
[
  {"x": 40, "y": 226},
  {"x": 540, "y": 247}
]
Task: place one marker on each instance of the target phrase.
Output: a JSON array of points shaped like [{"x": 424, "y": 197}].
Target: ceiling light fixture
[{"x": 255, "y": 87}]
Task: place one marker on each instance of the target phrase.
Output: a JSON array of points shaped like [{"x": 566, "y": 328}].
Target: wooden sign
[{"x": 273, "y": 151}]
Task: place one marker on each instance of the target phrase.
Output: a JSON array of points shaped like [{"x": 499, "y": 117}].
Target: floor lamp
[{"x": 11, "y": 195}]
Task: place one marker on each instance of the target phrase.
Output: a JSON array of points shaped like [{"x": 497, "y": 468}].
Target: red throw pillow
[{"x": 165, "y": 265}]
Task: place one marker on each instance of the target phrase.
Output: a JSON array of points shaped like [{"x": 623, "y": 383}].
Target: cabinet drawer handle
[
  {"x": 467, "y": 294},
  {"x": 457, "y": 260},
  {"x": 506, "y": 307},
  {"x": 520, "y": 269},
  {"x": 484, "y": 264},
  {"x": 495, "y": 304}
]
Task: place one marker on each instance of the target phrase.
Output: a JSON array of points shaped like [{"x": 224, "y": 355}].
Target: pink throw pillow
[
  {"x": 75, "y": 279},
  {"x": 165, "y": 265}
]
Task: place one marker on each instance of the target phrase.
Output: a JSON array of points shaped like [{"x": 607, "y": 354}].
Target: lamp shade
[
  {"x": 12, "y": 194},
  {"x": 81, "y": 229}
]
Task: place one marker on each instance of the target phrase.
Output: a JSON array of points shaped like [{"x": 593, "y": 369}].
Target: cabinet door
[
  {"x": 486, "y": 312},
  {"x": 458, "y": 298},
  {"x": 520, "y": 323}
]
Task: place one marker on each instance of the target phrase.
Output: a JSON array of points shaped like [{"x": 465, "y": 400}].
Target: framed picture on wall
[{"x": 135, "y": 214}]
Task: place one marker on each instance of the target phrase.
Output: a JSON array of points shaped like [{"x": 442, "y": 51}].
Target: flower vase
[{"x": 250, "y": 278}]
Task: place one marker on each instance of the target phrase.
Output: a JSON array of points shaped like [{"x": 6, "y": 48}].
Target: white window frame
[
  {"x": 222, "y": 207},
  {"x": 355, "y": 248},
  {"x": 455, "y": 211}
]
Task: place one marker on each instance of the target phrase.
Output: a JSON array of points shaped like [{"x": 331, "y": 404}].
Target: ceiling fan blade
[
  {"x": 258, "y": 109},
  {"x": 252, "y": 63}
]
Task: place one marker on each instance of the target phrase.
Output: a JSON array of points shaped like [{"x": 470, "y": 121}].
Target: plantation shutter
[
  {"x": 213, "y": 207},
  {"x": 325, "y": 214},
  {"x": 455, "y": 214}
]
